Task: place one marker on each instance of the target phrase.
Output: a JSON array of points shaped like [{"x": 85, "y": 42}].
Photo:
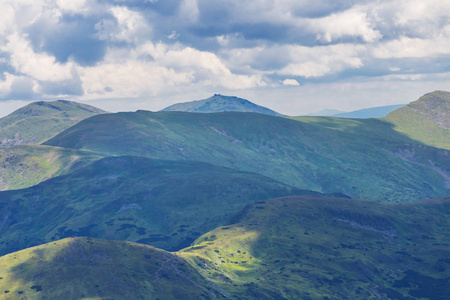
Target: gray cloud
[{"x": 114, "y": 49}]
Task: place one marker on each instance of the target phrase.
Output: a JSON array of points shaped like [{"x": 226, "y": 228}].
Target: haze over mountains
[{"x": 208, "y": 185}]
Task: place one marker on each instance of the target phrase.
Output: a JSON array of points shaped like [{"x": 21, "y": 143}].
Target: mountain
[
  {"x": 27, "y": 165},
  {"x": 373, "y": 112},
  {"x": 287, "y": 248},
  {"x": 325, "y": 113},
  {"x": 167, "y": 204},
  {"x": 85, "y": 268},
  {"x": 426, "y": 120},
  {"x": 363, "y": 158},
  {"x": 330, "y": 248},
  {"x": 220, "y": 103},
  {"x": 39, "y": 121}
]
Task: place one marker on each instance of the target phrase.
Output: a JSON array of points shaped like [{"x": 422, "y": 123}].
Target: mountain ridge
[{"x": 220, "y": 103}]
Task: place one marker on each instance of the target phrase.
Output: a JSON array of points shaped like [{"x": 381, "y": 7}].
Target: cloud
[
  {"x": 122, "y": 49},
  {"x": 291, "y": 82}
]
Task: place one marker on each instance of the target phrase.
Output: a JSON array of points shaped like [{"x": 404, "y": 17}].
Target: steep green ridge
[
  {"x": 325, "y": 248},
  {"x": 28, "y": 165},
  {"x": 220, "y": 103},
  {"x": 426, "y": 120},
  {"x": 360, "y": 158},
  {"x": 39, "y": 121},
  {"x": 85, "y": 268},
  {"x": 163, "y": 203}
]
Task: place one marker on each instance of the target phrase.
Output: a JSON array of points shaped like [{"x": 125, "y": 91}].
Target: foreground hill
[
  {"x": 220, "y": 103},
  {"x": 163, "y": 203},
  {"x": 360, "y": 158},
  {"x": 426, "y": 120},
  {"x": 39, "y": 121},
  {"x": 323, "y": 248},
  {"x": 84, "y": 268},
  {"x": 28, "y": 165},
  {"x": 288, "y": 248}
]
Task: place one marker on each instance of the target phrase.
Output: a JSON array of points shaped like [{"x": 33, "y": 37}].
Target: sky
[{"x": 293, "y": 56}]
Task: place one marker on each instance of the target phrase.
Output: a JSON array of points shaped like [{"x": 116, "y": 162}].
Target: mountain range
[{"x": 241, "y": 203}]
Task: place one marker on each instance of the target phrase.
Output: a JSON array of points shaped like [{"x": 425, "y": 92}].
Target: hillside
[
  {"x": 287, "y": 248},
  {"x": 325, "y": 248},
  {"x": 220, "y": 103},
  {"x": 360, "y": 158},
  {"x": 373, "y": 112},
  {"x": 85, "y": 268},
  {"x": 28, "y": 165},
  {"x": 163, "y": 203},
  {"x": 39, "y": 121},
  {"x": 426, "y": 120}
]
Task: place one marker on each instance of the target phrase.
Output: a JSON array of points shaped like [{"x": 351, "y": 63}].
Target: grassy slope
[
  {"x": 304, "y": 248},
  {"x": 286, "y": 248},
  {"x": 28, "y": 165},
  {"x": 361, "y": 158},
  {"x": 426, "y": 120},
  {"x": 85, "y": 268},
  {"x": 163, "y": 203},
  {"x": 39, "y": 121},
  {"x": 220, "y": 103}
]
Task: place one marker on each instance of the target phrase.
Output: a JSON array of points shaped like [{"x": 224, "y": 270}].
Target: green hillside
[
  {"x": 287, "y": 248},
  {"x": 426, "y": 120},
  {"x": 361, "y": 158},
  {"x": 163, "y": 203},
  {"x": 325, "y": 248},
  {"x": 220, "y": 103},
  {"x": 28, "y": 165},
  {"x": 39, "y": 121},
  {"x": 85, "y": 268}
]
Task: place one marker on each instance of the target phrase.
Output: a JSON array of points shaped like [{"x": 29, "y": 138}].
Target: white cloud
[
  {"x": 130, "y": 26},
  {"x": 39, "y": 66},
  {"x": 189, "y": 10},
  {"x": 291, "y": 82},
  {"x": 72, "y": 6},
  {"x": 352, "y": 23}
]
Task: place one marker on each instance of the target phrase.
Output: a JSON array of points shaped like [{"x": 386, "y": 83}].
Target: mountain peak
[
  {"x": 426, "y": 120},
  {"x": 433, "y": 107},
  {"x": 41, "y": 120},
  {"x": 221, "y": 103}
]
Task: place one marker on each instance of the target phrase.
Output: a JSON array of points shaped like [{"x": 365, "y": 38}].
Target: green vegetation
[
  {"x": 426, "y": 120},
  {"x": 220, "y": 103},
  {"x": 163, "y": 203},
  {"x": 365, "y": 159},
  {"x": 39, "y": 121},
  {"x": 28, "y": 165},
  {"x": 299, "y": 247},
  {"x": 85, "y": 268},
  {"x": 325, "y": 248}
]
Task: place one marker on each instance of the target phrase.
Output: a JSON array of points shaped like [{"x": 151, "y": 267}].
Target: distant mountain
[
  {"x": 163, "y": 203},
  {"x": 220, "y": 103},
  {"x": 39, "y": 121},
  {"x": 325, "y": 113},
  {"x": 363, "y": 158},
  {"x": 85, "y": 268},
  {"x": 426, "y": 120},
  {"x": 373, "y": 112},
  {"x": 287, "y": 248},
  {"x": 27, "y": 165}
]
